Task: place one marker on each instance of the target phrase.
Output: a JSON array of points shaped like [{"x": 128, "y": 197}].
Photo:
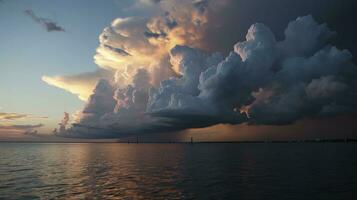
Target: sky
[
  {"x": 169, "y": 70},
  {"x": 28, "y": 52}
]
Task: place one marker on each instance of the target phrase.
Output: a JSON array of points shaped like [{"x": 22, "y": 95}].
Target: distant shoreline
[{"x": 347, "y": 140}]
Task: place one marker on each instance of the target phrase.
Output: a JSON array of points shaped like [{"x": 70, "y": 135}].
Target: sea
[{"x": 178, "y": 171}]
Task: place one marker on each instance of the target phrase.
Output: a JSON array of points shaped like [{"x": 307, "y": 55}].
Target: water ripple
[{"x": 177, "y": 171}]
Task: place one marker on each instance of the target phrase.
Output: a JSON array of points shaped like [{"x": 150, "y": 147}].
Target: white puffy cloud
[
  {"x": 178, "y": 92},
  {"x": 99, "y": 103},
  {"x": 304, "y": 36}
]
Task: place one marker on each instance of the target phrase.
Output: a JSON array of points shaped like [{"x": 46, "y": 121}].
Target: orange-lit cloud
[
  {"x": 81, "y": 84},
  {"x": 131, "y": 43}
]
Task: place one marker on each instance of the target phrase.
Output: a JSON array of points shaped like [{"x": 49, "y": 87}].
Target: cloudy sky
[{"x": 169, "y": 69}]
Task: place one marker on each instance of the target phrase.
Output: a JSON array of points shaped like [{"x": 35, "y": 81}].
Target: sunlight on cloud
[
  {"x": 82, "y": 90},
  {"x": 132, "y": 43},
  {"x": 80, "y": 84}
]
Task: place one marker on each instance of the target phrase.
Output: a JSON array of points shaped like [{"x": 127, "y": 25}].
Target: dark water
[{"x": 178, "y": 171}]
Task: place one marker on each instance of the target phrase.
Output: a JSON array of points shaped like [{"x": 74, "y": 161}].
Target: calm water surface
[{"x": 178, "y": 171}]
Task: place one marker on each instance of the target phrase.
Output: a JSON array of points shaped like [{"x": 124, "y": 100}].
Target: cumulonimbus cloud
[
  {"x": 47, "y": 24},
  {"x": 262, "y": 81}
]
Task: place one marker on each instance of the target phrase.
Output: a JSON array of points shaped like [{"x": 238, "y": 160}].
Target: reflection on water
[{"x": 178, "y": 171}]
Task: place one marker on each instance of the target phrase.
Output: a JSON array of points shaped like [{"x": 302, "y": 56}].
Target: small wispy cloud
[
  {"x": 20, "y": 127},
  {"x": 32, "y": 133},
  {"x": 48, "y": 24},
  {"x": 12, "y": 116},
  {"x": 15, "y": 116},
  {"x": 25, "y": 129}
]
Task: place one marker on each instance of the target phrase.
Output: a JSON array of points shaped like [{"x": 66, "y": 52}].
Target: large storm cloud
[
  {"x": 263, "y": 80},
  {"x": 160, "y": 72}
]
